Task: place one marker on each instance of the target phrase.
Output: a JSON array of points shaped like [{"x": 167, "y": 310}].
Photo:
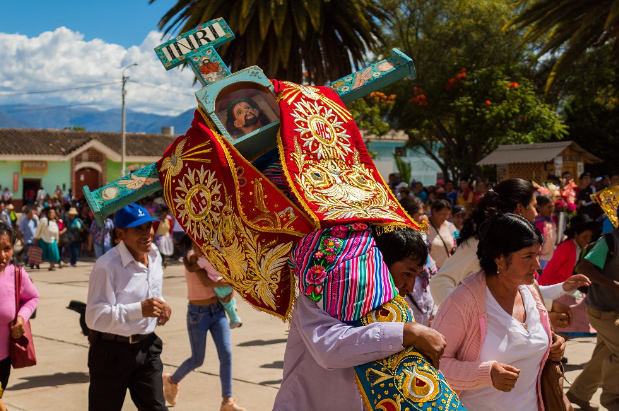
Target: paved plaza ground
[{"x": 60, "y": 379}]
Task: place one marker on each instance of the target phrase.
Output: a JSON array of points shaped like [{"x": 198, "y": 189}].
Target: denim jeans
[
  {"x": 201, "y": 319},
  {"x": 100, "y": 249},
  {"x": 75, "y": 251}
]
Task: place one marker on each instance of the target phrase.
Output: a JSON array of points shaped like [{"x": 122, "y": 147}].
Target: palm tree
[
  {"x": 323, "y": 39},
  {"x": 571, "y": 26}
]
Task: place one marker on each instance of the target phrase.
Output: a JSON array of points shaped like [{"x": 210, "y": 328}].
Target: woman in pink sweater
[
  {"x": 29, "y": 297},
  {"x": 495, "y": 323}
]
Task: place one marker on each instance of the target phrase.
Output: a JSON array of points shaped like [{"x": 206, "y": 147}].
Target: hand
[
  {"x": 504, "y": 376},
  {"x": 165, "y": 315},
  {"x": 227, "y": 298},
  {"x": 561, "y": 315},
  {"x": 17, "y": 328},
  {"x": 557, "y": 348},
  {"x": 153, "y": 307},
  {"x": 425, "y": 339},
  {"x": 576, "y": 281}
]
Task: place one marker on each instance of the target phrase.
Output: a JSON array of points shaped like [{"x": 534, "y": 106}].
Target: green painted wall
[
  {"x": 58, "y": 173},
  {"x": 113, "y": 169}
]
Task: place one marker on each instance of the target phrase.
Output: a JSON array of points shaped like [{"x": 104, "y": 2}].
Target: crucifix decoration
[{"x": 220, "y": 90}]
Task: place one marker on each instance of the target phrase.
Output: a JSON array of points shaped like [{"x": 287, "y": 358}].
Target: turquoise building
[
  {"x": 31, "y": 159},
  {"x": 423, "y": 168}
]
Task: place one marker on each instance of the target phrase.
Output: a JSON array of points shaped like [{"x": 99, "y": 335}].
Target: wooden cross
[{"x": 197, "y": 47}]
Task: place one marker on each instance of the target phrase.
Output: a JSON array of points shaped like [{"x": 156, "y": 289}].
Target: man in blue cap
[{"x": 124, "y": 307}]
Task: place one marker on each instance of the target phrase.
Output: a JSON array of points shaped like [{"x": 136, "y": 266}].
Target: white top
[
  {"x": 509, "y": 342},
  {"x": 464, "y": 262},
  {"x": 439, "y": 250},
  {"x": 47, "y": 231},
  {"x": 118, "y": 285}
]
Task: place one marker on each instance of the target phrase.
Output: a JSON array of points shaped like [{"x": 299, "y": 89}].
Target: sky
[{"x": 73, "y": 45}]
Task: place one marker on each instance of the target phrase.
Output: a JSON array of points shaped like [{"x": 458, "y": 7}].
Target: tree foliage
[
  {"x": 590, "y": 104},
  {"x": 471, "y": 94},
  {"x": 325, "y": 38},
  {"x": 569, "y": 27}
]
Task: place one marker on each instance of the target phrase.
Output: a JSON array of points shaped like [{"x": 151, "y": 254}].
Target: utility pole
[{"x": 123, "y": 169}]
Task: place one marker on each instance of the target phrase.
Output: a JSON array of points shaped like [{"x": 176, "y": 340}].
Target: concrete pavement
[{"x": 60, "y": 379}]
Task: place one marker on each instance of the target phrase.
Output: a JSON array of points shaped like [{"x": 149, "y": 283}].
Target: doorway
[
  {"x": 85, "y": 177},
  {"x": 30, "y": 188}
]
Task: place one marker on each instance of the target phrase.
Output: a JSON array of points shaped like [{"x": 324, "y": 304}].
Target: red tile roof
[{"x": 64, "y": 142}]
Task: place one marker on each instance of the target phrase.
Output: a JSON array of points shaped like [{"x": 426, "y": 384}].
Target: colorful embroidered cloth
[
  {"x": 406, "y": 380},
  {"x": 608, "y": 199},
  {"x": 326, "y": 163},
  {"x": 243, "y": 224},
  {"x": 342, "y": 271}
]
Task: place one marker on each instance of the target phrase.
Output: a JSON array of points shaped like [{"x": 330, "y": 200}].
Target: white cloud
[{"x": 62, "y": 59}]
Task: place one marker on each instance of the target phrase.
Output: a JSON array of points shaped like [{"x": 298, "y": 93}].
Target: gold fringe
[{"x": 390, "y": 227}]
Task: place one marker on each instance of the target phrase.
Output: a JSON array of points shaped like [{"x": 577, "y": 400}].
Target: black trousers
[
  {"x": 115, "y": 367},
  {"x": 5, "y": 372}
]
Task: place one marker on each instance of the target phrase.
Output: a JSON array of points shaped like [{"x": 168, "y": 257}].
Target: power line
[
  {"x": 16, "y": 93},
  {"x": 105, "y": 102}
]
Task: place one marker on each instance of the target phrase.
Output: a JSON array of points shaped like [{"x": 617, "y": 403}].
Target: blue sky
[
  {"x": 75, "y": 52},
  {"x": 123, "y": 22}
]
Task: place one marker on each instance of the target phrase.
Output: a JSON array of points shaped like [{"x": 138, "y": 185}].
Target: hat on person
[
  {"x": 401, "y": 186},
  {"x": 132, "y": 215},
  {"x": 582, "y": 222},
  {"x": 10, "y": 207},
  {"x": 458, "y": 209},
  {"x": 73, "y": 211},
  {"x": 440, "y": 181}
]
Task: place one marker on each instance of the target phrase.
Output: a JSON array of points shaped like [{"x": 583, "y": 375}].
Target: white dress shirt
[{"x": 118, "y": 285}]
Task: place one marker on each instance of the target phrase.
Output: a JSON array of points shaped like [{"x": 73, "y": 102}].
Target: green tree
[
  {"x": 325, "y": 38},
  {"x": 471, "y": 94},
  {"x": 590, "y": 105},
  {"x": 569, "y": 27}
]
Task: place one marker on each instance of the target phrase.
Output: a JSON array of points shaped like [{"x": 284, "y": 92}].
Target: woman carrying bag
[{"x": 13, "y": 320}]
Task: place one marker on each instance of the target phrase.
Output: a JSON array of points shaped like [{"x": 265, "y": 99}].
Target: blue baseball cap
[{"x": 132, "y": 215}]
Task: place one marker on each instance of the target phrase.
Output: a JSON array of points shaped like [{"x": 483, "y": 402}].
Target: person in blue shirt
[{"x": 25, "y": 232}]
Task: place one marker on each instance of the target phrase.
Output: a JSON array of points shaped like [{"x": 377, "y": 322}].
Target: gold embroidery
[
  {"x": 608, "y": 199},
  {"x": 343, "y": 191},
  {"x": 312, "y": 93}
]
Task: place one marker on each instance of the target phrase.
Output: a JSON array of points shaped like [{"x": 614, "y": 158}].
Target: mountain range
[{"x": 50, "y": 117}]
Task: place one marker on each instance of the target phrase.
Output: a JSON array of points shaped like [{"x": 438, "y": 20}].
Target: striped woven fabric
[{"x": 342, "y": 271}]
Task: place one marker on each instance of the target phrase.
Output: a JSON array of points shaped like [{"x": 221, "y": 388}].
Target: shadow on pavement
[
  {"x": 274, "y": 382},
  {"x": 53, "y": 380},
  {"x": 274, "y": 364},
  {"x": 261, "y": 342},
  {"x": 573, "y": 367}
]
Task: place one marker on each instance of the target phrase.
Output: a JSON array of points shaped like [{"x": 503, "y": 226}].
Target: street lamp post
[{"x": 123, "y": 169}]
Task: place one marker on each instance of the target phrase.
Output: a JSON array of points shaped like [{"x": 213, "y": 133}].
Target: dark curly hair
[
  {"x": 503, "y": 199},
  {"x": 502, "y": 235},
  {"x": 400, "y": 244}
]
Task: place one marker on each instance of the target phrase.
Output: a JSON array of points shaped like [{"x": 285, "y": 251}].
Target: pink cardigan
[{"x": 462, "y": 319}]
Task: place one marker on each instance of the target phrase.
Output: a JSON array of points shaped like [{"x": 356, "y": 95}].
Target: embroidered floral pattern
[{"x": 330, "y": 246}]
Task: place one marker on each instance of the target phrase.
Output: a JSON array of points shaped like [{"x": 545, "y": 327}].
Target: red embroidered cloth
[{"x": 243, "y": 224}]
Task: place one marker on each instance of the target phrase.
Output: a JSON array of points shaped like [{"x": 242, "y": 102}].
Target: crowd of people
[{"x": 470, "y": 282}]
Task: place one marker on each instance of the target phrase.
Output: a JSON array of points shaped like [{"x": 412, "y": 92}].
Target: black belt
[{"x": 132, "y": 339}]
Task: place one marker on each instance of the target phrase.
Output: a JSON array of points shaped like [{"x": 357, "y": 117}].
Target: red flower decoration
[{"x": 488, "y": 102}]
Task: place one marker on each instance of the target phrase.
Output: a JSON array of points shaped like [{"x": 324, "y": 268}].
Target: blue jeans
[
  {"x": 75, "y": 251},
  {"x": 201, "y": 319},
  {"x": 100, "y": 249}
]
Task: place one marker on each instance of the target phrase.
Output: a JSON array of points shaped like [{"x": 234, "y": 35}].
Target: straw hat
[{"x": 73, "y": 211}]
